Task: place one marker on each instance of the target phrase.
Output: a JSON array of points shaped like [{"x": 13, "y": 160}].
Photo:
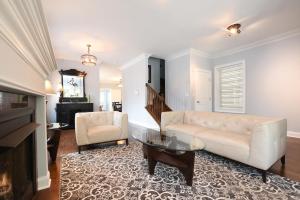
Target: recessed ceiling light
[{"x": 234, "y": 29}]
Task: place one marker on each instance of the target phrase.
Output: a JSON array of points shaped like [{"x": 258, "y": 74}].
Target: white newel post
[{"x": 41, "y": 145}]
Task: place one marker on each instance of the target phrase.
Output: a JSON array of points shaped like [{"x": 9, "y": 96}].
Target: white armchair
[{"x": 98, "y": 127}]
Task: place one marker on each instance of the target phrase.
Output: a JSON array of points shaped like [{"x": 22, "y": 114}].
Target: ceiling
[
  {"x": 109, "y": 74},
  {"x": 121, "y": 30}
]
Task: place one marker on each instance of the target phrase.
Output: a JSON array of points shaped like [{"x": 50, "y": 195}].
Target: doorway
[
  {"x": 203, "y": 90},
  {"x": 156, "y": 75}
]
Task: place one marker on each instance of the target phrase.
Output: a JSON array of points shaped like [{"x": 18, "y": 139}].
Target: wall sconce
[
  {"x": 48, "y": 88},
  {"x": 59, "y": 88}
]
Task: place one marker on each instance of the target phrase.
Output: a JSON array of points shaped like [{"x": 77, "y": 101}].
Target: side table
[{"x": 53, "y": 136}]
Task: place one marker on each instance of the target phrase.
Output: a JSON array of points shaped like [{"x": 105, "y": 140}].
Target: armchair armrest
[
  {"x": 268, "y": 143},
  {"x": 81, "y": 130},
  {"x": 168, "y": 118},
  {"x": 121, "y": 120}
]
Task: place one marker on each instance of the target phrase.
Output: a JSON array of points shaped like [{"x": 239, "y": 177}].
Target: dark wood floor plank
[{"x": 68, "y": 145}]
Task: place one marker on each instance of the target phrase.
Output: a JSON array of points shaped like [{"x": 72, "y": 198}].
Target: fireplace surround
[{"x": 18, "y": 179}]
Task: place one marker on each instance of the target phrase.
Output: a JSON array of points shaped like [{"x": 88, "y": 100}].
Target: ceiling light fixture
[
  {"x": 234, "y": 29},
  {"x": 88, "y": 59}
]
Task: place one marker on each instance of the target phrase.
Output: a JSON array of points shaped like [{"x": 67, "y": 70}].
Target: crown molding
[
  {"x": 135, "y": 60},
  {"x": 259, "y": 43},
  {"x": 17, "y": 86},
  {"x": 178, "y": 54},
  {"x": 200, "y": 53},
  {"x": 23, "y": 27},
  {"x": 186, "y": 52}
]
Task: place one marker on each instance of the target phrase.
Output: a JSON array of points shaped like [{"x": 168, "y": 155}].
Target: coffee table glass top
[{"x": 168, "y": 140}]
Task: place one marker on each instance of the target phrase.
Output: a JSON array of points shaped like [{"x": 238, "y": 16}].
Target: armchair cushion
[{"x": 104, "y": 133}]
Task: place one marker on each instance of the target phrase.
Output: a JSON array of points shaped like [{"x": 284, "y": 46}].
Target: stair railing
[{"x": 155, "y": 103}]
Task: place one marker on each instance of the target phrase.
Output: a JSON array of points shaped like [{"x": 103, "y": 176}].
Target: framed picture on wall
[
  {"x": 73, "y": 86},
  {"x": 73, "y": 83}
]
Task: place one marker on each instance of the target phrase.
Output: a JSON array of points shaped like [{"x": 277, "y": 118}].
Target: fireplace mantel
[
  {"x": 16, "y": 137},
  {"x": 15, "y": 127}
]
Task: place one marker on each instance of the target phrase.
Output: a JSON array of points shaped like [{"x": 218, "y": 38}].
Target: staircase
[{"x": 155, "y": 104}]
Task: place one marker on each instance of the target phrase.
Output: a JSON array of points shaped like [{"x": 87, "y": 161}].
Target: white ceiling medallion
[{"x": 88, "y": 59}]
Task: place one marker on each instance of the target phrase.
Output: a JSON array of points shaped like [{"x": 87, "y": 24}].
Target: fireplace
[{"x": 17, "y": 147}]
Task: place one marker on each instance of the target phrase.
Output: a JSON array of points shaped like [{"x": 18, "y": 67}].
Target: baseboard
[
  {"x": 293, "y": 134},
  {"x": 135, "y": 123},
  {"x": 44, "y": 182}
]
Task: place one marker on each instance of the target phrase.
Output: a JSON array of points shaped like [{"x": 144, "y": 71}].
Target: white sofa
[
  {"x": 253, "y": 140},
  {"x": 98, "y": 127}
]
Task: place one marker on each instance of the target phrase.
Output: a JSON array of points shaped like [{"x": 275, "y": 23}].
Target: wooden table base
[{"x": 184, "y": 161}]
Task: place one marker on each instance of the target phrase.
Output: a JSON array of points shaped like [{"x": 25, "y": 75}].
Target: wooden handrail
[{"x": 155, "y": 103}]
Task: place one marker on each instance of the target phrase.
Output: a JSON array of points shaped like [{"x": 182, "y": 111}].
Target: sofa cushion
[
  {"x": 242, "y": 124},
  {"x": 225, "y": 143},
  {"x": 185, "y": 128},
  {"x": 103, "y": 133}
]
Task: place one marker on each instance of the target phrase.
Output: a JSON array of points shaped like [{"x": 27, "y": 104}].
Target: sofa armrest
[
  {"x": 121, "y": 120},
  {"x": 268, "y": 143},
  {"x": 168, "y": 118},
  {"x": 81, "y": 130}
]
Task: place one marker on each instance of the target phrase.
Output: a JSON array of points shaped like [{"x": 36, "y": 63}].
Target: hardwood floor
[{"x": 68, "y": 145}]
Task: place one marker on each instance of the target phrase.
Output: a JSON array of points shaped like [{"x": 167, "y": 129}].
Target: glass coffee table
[
  {"x": 53, "y": 137},
  {"x": 173, "y": 149}
]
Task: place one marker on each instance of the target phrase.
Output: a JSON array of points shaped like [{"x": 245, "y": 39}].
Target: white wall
[
  {"x": 178, "y": 83},
  {"x": 155, "y": 73},
  {"x": 180, "y": 79},
  {"x": 17, "y": 74},
  {"x": 272, "y": 79},
  {"x": 91, "y": 84},
  {"x": 134, "y": 78}
]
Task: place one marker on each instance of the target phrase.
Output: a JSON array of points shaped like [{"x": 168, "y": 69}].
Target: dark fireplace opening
[
  {"x": 6, "y": 191},
  {"x": 17, "y": 147},
  {"x": 16, "y": 172}
]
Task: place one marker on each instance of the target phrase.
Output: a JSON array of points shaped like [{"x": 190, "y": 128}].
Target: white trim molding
[
  {"x": 199, "y": 53},
  {"x": 44, "y": 182},
  {"x": 178, "y": 55},
  {"x": 143, "y": 56},
  {"x": 17, "y": 86},
  {"x": 270, "y": 40},
  {"x": 293, "y": 134},
  {"x": 23, "y": 27},
  {"x": 186, "y": 52}
]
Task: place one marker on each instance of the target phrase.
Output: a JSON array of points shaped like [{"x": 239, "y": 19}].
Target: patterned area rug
[{"x": 120, "y": 172}]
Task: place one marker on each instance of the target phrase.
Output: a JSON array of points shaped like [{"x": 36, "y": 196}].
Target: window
[{"x": 230, "y": 87}]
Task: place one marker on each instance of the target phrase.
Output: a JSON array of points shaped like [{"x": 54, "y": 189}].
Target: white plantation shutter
[{"x": 230, "y": 88}]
